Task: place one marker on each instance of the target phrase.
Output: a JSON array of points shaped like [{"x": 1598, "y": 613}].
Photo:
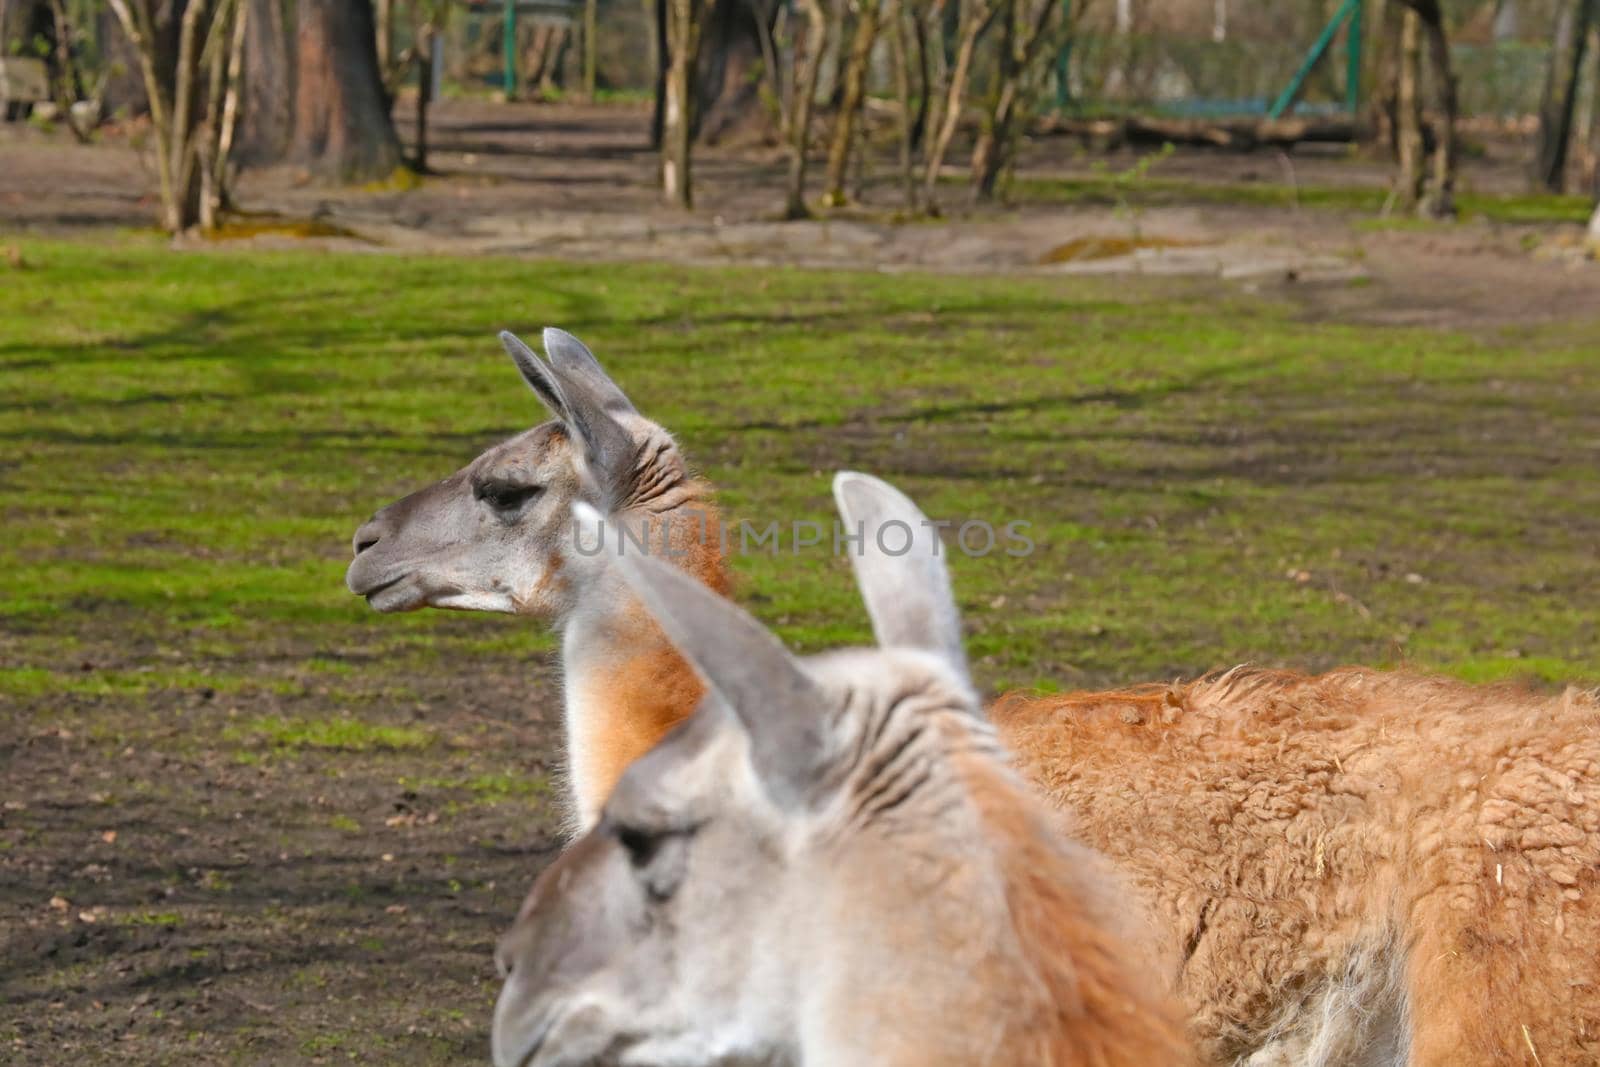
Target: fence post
[
  {"x": 1352, "y": 57},
  {"x": 509, "y": 31}
]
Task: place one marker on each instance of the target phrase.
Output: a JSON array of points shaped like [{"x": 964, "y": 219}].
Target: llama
[
  {"x": 829, "y": 863},
  {"x": 497, "y": 535},
  {"x": 1359, "y": 867},
  {"x": 1350, "y": 869}
]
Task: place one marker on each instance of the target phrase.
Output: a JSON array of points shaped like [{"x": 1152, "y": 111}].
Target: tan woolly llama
[
  {"x": 497, "y": 535},
  {"x": 829, "y": 864},
  {"x": 1351, "y": 869}
]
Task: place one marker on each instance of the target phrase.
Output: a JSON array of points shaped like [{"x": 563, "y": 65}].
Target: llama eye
[
  {"x": 641, "y": 845},
  {"x": 659, "y": 857},
  {"x": 508, "y": 498}
]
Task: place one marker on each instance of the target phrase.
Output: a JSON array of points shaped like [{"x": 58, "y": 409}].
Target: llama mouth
[
  {"x": 394, "y": 594},
  {"x": 523, "y": 1052}
]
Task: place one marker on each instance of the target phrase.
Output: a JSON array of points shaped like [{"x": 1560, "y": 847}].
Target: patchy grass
[
  {"x": 193, "y": 438},
  {"x": 294, "y": 801},
  {"x": 346, "y": 735},
  {"x": 1140, "y": 190},
  {"x": 488, "y": 788}
]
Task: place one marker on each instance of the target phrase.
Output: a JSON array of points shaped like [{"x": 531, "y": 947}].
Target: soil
[
  {"x": 578, "y": 182},
  {"x": 164, "y": 899}
]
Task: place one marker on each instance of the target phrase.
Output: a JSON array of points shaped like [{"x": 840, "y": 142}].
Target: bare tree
[
  {"x": 685, "y": 21},
  {"x": 192, "y": 122},
  {"x": 899, "y": 30},
  {"x": 974, "y": 18},
  {"x": 804, "y": 91},
  {"x": 1559, "y": 100},
  {"x": 1031, "y": 34},
  {"x": 591, "y": 34},
  {"x": 67, "y": 83},
  {"x": 1438, "y": 200},
  {"x": 1409, "y": 149},
  {"x": 868, "y": 17}
]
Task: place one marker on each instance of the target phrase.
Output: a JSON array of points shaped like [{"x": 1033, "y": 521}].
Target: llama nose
[
  {"x": 369, "y": 535},
  {"x": 505, "y": 958}
]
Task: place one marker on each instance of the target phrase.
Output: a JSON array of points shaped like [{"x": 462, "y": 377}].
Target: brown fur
[
  {"x": 1294, "y": 830},
  {"x": 1091, "y": 1000},
  {"x": 651, "y": 688}
]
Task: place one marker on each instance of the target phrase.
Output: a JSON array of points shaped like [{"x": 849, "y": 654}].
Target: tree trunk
[
  {"x": 990, "y": 154},
  {"x": 225, "y": 60},
  {"x": 267, "y": 109},
  {"x": 728, "y": 76},
  {"x": 684, "y": 20},
  {"x": 900, "y": 57},
  {"x": 855, "y": 93},
  {"x": 1592, "y": 142},
  {"x": 805, "y": 92},
  {"x": 1027, "y": 33},
  {"x": 342, "y": 128},
  {"x": 384, "y": 32},
  {"x": 426, "y": 35},
  {"x": 541, "y": 63},
  {"x": 1383, "y": 104},
  {"x": 1585, "y": 151},
  {"x": 1560, "y": 96},
  {"x": 975, "y": 18},
  {"x": 190, "y": 146},
  {"x": 1408, "y": 114},
  {"x": 591, "y": 35},
  {"x": 658, "y": 114},
  {"x": 919, "y": 123},
  {"x": 1440, "y": 201}
]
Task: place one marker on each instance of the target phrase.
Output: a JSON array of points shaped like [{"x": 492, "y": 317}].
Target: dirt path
[{"x": 579, "y": 183}]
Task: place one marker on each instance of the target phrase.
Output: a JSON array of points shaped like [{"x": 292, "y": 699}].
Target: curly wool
[{"x": 1355, "y": 867}]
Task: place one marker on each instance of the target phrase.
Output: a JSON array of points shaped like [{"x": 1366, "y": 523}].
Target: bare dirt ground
[
  {"x": 579, "y": 182},
  {"x": 166, "y": 903}
]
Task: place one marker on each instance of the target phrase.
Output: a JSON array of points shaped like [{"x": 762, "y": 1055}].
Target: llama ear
[
  {"x": 899, "y": 564},
  {"x": 747, "y": 670},
  {"x": 593, "y": 406},
  {"x": 572, "y": 359},
  {"x": 539, "y": 377}
]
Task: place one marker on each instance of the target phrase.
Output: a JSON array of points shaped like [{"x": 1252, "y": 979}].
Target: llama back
[{"x": 1312, "y": 842}]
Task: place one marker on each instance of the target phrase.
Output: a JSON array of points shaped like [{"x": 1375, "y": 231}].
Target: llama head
[
  {"x": 806, "y": 833},
  {"x": 497, "y": 535}
]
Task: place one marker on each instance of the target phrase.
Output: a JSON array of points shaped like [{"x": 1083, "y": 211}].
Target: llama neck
[
  {"x": 625, "y": 685},
  {"x": 625, "y": 688},
  {"x": 1095, "y": 987}
]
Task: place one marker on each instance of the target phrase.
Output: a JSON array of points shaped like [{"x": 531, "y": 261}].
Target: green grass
[
  {"x": 187, "y": 442},
  {"x": 488, "y": 788},
  {"x": 348, "y": 735}
]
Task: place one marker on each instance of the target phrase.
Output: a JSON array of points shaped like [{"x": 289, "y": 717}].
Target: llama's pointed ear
[
  {"x": 594, "y": 405},
  {"x": 746, "y": 668},
  {"x": 572, "y": 359},
  {"x": 899, "y": 564},
  {"x": 535, "y": 373}
]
